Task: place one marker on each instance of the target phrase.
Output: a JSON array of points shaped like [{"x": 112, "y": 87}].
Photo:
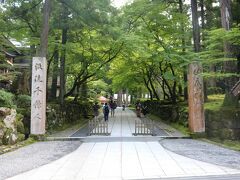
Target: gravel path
[
  {"x": 203, "y": 151},
  {"x": 33, "y": 156}
]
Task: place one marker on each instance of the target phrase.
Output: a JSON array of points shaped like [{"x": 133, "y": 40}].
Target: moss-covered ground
[
  {"x": 180, "y": 127},
  {"x": 230, "y": 144},
  {"x": 75, "y": 124},
  {"x": 214, "y": 102}
]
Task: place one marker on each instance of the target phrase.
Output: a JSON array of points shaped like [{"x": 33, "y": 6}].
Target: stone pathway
[
  {"x": 123, "y": 125},
  {"x": 125, "y": 157},
  {"x": 123, "y": 160}
]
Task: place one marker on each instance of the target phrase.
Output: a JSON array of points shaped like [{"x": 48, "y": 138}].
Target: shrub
[
  {"x": 21, "y": 137},
  {"x": 19, "y": 124},
  {"x": 23, "y": 101},
  {"x": 6, "y": 99},
  {"x": 26, "y": 113}
]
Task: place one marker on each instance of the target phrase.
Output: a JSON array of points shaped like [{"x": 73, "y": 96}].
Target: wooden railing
[
  {"x": 144, "y": 127},
  {"x": 98, "y": 126}
]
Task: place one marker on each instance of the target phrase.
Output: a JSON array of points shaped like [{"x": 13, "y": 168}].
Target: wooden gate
[
  {"x": 98, "y": 127},
  {"x": 144, "y": 127}
]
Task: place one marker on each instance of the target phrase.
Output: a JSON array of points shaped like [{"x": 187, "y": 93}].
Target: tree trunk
[
  {"x": 62, "y": 66},
  {"x": 185, "y": 88},
  {"x": 228, "y": 66},
  {"x": 149, "y": 89},
  {"x": 153, "y": 88},
  {"x": 211, "y": 82},
  {"x": 119, "y": 98},
  {"x": 83, "y": 93},
  {"x": 183, "y": 50},
  {"x": 45, "y": 29},
  {"x": 196, "y": 29},
  {"x": 203, "y": 39},
  {"x": 202, "y": 17},
  {"x": 64, "y": 25},
  {"x": 238, "y": 63},
  {"x": 195, "y": 82},
  {"x": 225, "y": 13},
  {"x": 55, "y": 73},
  {"x": 83, "y": 97}
]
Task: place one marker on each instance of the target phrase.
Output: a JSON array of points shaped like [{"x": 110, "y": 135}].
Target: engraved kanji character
[
  {"x": 38, "y": 66},
  {"x": 37, "y": 116},
  {"x": 37, "y": 78},
  {"x": 37, "y": 104},
  {"x": 38, "y": 90}
]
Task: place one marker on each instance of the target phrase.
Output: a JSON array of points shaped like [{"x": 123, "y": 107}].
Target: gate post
[{"x": 196, "y": 117}]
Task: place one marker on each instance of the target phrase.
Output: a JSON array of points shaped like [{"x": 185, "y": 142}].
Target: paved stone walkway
[
  {"x": 123, "y": 125},
  {"x": 130, "y": 159}
]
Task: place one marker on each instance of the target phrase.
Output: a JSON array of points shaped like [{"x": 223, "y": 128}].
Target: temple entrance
[{"x": 125, "y": 124}]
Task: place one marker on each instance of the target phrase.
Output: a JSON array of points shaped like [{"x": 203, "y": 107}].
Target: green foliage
[
  {"x": 23, "y": 101},
  {"x": 153, "y": 53},
  {"x": 19, "y": 124},
  {"x": 230, "y": 101},
  {"x": 6, "y": 140},
  {"x": 213, "y": 53},
  {"x": 21, "y": 137},
  {"x": 214, "y": 102},
  {"x": 214, "y": 90},
  {"x": 6, "y": 99}
]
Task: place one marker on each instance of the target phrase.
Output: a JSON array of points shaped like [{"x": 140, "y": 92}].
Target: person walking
[
  {"x": 105, "y": 111},
  {"x": 113, "y": 106},
  {"x": 95, "y": 110},
  {"x": 123, "y": 107},
  {"x": 138, "y": 109}
]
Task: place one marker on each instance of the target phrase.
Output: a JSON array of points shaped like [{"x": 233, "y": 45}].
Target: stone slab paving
[
  {"x": 33, "y": 156},
  {"x": 123, "y": 160}
]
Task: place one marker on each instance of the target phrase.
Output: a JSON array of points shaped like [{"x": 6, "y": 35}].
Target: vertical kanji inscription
[
  {"x": 38, "y": 102},
  {"x": 196, "y": 98}
]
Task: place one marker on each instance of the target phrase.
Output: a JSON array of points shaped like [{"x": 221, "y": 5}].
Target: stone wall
[
  {"x": 166, "y": 111},
  {"x": 70, "y": 114},
  {"x": 223, "y": 124}
]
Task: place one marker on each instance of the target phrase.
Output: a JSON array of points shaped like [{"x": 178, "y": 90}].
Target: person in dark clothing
[
  {"x": 105, "y": 111},
  {"x": 138, "y": 109},
  {"x": 144, "y": 109},
  {"x": 123, "y": 107},
  {"x": 95, "y": 110},
  {"x": 113, "y": 106}
]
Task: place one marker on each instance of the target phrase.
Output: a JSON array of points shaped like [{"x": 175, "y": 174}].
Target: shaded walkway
[{"x": 121, "y": 125}]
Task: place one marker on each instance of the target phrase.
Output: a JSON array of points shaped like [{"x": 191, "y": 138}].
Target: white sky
[{"x": 119, "y": 3}]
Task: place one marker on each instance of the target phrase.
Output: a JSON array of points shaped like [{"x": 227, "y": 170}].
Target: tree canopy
[{"x": 144, "y": 47}]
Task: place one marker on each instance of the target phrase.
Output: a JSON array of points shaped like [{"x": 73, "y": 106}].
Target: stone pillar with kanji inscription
[
  {"x": 38, "y": 102},
  {"x": 196, "y": 98}
]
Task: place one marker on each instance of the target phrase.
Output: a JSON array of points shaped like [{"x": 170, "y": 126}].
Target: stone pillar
[
  {"x": 38, "y": 102},
  {"x": 195, "y": 98}
]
